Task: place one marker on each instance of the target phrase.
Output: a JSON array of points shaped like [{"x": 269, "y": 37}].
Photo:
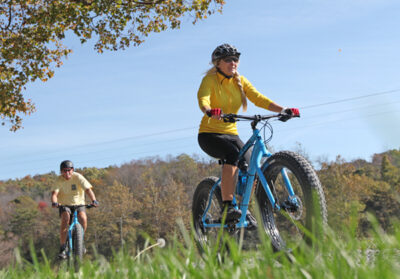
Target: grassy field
[{"x": 377, "y": 256}]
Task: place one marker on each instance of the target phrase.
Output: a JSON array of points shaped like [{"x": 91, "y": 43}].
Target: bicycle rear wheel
[
  {"x": 303, "y": 219},
  {"x": 205, "y": 236}
]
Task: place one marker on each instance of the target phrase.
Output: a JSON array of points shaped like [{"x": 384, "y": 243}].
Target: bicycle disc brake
[{"x": 294, "y": 207}]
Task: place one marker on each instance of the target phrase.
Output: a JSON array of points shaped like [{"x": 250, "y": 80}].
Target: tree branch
[
  {"x": 90, "y": 2},
  {"x": 84, "y": 2},
  {"x": 9, "y": 18},
  {"x": 149, "y": 2}
]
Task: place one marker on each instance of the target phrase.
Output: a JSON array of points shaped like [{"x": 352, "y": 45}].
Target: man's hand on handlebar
[
  {"x": 288, "y": 113},
  {"x": 95, "y": 203},
  {"x": 55, "y": 204}
]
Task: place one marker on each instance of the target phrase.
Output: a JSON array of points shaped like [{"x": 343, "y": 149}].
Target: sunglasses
[
  {"x": 67, "y": 170},
  {"x": 230, "y": 59}
]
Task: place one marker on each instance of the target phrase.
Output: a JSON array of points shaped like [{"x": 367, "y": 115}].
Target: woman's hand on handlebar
[
  {"x": 288, "y": 113},
  {"x": 214, "y": 113}
]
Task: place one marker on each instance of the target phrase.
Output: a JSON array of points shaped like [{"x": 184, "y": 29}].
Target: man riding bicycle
[{"x": 69, "y": 195}]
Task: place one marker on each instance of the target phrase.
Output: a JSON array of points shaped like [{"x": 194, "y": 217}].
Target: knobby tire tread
[
  {"x": 77, "y": 236},
  {"x": 309, "y": 182},
  {"x": 200, "y": 200}
]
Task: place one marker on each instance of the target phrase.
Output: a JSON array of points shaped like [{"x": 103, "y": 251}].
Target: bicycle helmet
[
  {"x": 224, "y": 50},
  {"x": 66, "y": 164}
]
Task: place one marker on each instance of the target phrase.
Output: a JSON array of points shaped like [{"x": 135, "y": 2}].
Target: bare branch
[
  {"x": 148, "y": 2},
  {"x": 84, "y": 2},
  {"x": 9, "y": 17}
]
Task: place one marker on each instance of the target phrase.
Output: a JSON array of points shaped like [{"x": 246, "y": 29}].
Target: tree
[
  {"x": 344, "y": 189},
  {"x": 113, "y": 222},
  {"x": 384, "y": 205},
  {"x": 389, "y": 173},
  {"x": 23, "y": 222},
  {"x": 32, "y": 33},
  {"x": 162, "y": 204}
]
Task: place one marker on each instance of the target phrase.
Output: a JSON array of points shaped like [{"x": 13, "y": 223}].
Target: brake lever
[{"x": 229, "y": 118}]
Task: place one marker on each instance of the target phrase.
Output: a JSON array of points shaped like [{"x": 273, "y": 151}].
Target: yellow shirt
[
  {"x": 72, "y": 191},
  {"x": 216, "y": 91}
]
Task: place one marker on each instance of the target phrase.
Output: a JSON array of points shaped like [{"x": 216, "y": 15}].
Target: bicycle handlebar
[
  {"x": 85, "y": 205},
  {"x": 231, "y": 117}
]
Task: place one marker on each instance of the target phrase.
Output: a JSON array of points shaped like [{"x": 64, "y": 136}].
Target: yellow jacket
[{"x": 216, "y": 91}]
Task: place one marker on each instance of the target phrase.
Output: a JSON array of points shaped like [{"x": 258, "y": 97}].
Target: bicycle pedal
[
  {"x": 231, "y": 224},
  {"x": 231, "y": 227}
]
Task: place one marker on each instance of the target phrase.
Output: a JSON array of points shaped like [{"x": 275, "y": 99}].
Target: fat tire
[
  {"x": 313, "y": 196},
  {"x": 200, "y": 200},
  {"x": 77, "y": 238}
]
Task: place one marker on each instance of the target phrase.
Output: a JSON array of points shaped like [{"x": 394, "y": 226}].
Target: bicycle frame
[{"x": 259, "y": 151}]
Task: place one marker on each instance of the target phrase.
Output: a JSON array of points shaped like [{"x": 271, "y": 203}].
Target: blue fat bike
[
  {"x": 75, "y": 238},
  {"x": 287, "y": 190}
]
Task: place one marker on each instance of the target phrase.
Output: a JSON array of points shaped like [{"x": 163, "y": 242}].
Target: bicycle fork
[
  {"x": 259, "y": 152},
  {"x": 70, "y": 229}
]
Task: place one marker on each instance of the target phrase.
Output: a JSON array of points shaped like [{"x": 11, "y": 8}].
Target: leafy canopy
[{"x": 32, "y": 33}]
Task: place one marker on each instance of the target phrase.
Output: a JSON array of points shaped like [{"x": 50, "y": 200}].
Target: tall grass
[{"x": 377, "y": 256}]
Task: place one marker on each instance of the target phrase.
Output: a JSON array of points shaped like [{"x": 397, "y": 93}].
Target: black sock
[
  {"x": 226, "y": 204},
  {"x": 63, "y": 246}
]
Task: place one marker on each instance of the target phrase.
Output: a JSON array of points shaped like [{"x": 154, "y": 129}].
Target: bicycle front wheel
[
  {"x": 77, "y": 240},
  {"x": 200, "y": 201},
  {"x": 300, "y": 218}
]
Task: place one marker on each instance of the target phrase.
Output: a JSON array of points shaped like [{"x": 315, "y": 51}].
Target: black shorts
[
  {"x": 222, "y": 146},
  {"x": 71, "y": 209}
]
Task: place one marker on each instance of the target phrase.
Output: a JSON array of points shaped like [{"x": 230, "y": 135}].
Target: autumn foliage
[
  {"x": 32, "y": 34},
  {"x": 145, "y": 198}
]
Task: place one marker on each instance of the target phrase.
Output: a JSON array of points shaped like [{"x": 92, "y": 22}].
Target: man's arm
[
  {"x": 92, "y": 196},
  {"x": 54, "y": 199}
]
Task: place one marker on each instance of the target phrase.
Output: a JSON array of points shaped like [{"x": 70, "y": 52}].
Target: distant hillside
[{"x": 147, "y": 196}]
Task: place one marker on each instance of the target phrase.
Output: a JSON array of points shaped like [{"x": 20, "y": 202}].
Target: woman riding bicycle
[{"x": 223, "y": 90}]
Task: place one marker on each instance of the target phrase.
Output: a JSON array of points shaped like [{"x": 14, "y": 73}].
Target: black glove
[
  {"x": 288, "y": 113},
  {"x": 95, "y": 203}
]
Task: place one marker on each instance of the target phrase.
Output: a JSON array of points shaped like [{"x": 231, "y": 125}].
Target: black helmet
[
  {"x": 66, "y": 164},
  {"x": 224, "y": 50}
]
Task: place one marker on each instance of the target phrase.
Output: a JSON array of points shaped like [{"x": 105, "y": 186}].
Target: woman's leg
[
  {"x": 228, "y": 182},
  {"x": 226, "y": 148}
]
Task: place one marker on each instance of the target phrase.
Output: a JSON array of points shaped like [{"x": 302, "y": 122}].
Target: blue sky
[{"x": 111, "y": 108}]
